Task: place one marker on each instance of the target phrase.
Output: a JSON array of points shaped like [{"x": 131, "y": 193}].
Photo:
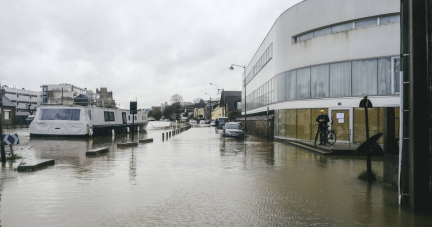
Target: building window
[
  {"x": 366, "y": 23},
  {"x": 45, "y": 95},
  {"x": 395, "y": 75},
  {"x": 7, "y": 114}
]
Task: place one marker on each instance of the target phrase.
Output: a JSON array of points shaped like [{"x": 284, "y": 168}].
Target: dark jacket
[{"x": 323, "y": 117}]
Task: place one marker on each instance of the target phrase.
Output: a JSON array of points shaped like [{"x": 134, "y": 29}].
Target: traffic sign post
[{"x": 10, "y": 139}]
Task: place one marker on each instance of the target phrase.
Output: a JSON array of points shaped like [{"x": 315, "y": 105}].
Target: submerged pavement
[{"x": 195, "y": 178}]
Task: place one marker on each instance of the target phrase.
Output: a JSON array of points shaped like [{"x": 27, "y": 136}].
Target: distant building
[
  {"x": 8, "y": 110},
  {"x": 64, "y": 94},
  {"x": 199, "y": 109},
  {"x": 228, "y": 101},
  {"x": 105, "y": 96},
  {"x": 216, "y": 112},
  {"x": 23, "y": 98}
]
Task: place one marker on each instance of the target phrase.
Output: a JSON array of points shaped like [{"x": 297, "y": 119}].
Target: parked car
[
  {"x": 233, "y": 129},
  {"x": 212, "y": 123},
  {"x": 202, "y": 122},
  {"x": 222, "y": 121},
  {"x": 29, "y": 119},
  {"x": 192, "y": 121}
]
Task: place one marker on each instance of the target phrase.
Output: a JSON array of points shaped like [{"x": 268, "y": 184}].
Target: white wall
[{"x": 367, "y": 42}]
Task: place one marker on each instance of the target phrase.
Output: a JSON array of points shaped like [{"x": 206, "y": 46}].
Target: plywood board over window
[
  {"x": 341, "y": 126},
  {"x": 304, "y": 124},
  {"x": 360, "y": 123},
  {"x": 281, "y": 123},
  {"x": 290, "y": 123}
]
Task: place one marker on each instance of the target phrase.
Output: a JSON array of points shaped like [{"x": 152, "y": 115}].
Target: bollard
[
  {"x": 169, "y": 133},
  {"x": 163, "y": 136},
  {"x": 166, "y": 135}
]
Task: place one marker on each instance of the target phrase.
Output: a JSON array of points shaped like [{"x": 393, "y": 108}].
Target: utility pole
[{"x": 415, "y": 169}]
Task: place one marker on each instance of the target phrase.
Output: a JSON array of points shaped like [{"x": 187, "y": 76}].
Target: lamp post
[
  {"x": 210, "y": 107},
  {"x": 218, "y": 88},
  {"x": 244, "y": 68}
]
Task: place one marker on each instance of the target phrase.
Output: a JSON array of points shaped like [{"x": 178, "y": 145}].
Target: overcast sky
[{"x": 145, "y": 49}]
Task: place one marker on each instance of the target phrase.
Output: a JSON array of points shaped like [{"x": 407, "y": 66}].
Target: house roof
[
  {"x": 226, "y": 94},
  {"x": 201, "y": 104},
  {"x": 7, "y": 102}
]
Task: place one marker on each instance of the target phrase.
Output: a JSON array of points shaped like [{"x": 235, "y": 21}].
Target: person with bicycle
[
  {"x": 322, "y": 120},
  {"x": 216, "y": 124}
]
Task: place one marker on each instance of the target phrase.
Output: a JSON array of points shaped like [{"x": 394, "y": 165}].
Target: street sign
[
  {"x": 10, "y": 139},
  {"x": 133, "y": 107}
]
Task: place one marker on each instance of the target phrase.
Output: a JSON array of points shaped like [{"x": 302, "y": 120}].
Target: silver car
[{"x": 233, "y": 129}]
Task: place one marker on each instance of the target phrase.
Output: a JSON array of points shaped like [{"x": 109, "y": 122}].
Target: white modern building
[
  {"x": 327, "y": 55},
  {"x": 64, "y": 94},
  {"x": 23, "y": 98}
]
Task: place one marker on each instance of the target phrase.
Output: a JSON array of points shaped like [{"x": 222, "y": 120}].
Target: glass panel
[
  {"x": 340, "y": 79},
  {"x": 365, "y": 23},
  {"x": 306, "y": 36},
  {"x": 290, "y": 85},
  {"x": 342, "y": 27},
  {"x": 384, "y": 76},
  {"x": 390, "y": 19},
  {"x": 396, "y": 74},
  {"x": 320, "y": 81},
  {"x": 60, "y": 114},
  {"x": 281, "y": 123},
  {"x": 280, "y": 87},
  {"x": 303, "y": 83},
  {"x": 364, "y": 77},
  {"x": 321, "y": 32},
  {"x": 106, "y": 116}
]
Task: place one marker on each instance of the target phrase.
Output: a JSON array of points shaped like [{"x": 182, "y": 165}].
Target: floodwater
[{"x": 196, "y": 178}]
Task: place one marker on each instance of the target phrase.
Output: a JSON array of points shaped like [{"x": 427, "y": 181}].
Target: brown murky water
[{"x": 196, "y": 178}]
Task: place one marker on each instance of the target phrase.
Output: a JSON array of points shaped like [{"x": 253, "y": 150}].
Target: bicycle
[{"x": 330, "y": 136}]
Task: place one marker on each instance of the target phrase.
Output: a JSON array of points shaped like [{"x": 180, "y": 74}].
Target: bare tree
[
  {"x": 30, "y": 110},
  {"x": 176, "y": 98},
  {"x": 197, "y": 100}
]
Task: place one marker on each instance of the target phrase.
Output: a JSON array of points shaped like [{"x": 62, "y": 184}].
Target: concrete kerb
[
  {"x": 150, "y": 140},
  {"x": 35, "y": 165},
  {"x": 97, "y": 151},
  {"x": 130, "y": 144}
]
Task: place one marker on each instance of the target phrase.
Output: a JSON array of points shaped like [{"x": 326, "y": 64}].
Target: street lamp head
[{"x": 231, "y": 68}]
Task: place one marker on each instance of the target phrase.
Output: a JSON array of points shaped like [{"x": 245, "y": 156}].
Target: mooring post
[{"x": 163, "y": 136}]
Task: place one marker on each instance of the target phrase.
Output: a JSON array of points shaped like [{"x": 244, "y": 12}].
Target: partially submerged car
[{"x": 233, "y": 129}]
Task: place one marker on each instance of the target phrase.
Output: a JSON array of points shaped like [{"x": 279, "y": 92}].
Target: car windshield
[
  {"x": 232, "y": 126},
  {"x": 223, "y": 119}
]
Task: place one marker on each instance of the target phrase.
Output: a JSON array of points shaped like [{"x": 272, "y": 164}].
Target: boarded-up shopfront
[{"x": 299, "y": 123}]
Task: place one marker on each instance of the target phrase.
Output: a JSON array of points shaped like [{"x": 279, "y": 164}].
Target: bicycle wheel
[
  {"x": 331, "y": 137},
  {"x": 316, "y": 136}
]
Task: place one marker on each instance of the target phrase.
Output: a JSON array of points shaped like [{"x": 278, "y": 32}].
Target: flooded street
[{"x": 196, "y": 178}]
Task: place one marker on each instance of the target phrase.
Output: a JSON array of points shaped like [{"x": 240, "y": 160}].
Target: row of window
[
  {"x": 268, "y": 54},
  {"x": 18, "y": 102},
  {"x": 262, "y": 96},
  {"x": 376, "y": 76},
  {"x": 348, "y": 26},
  {"x": 21, "y": 94}
]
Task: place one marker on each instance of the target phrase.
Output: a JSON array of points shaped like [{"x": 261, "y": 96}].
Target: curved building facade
[{"x": 327, "y": 55}]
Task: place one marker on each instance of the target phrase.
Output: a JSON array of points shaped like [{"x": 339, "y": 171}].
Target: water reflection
[{"x": 196, "y": 178}]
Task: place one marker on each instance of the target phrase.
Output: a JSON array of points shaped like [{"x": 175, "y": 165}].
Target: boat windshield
[{"x": 60, "y": 114}]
